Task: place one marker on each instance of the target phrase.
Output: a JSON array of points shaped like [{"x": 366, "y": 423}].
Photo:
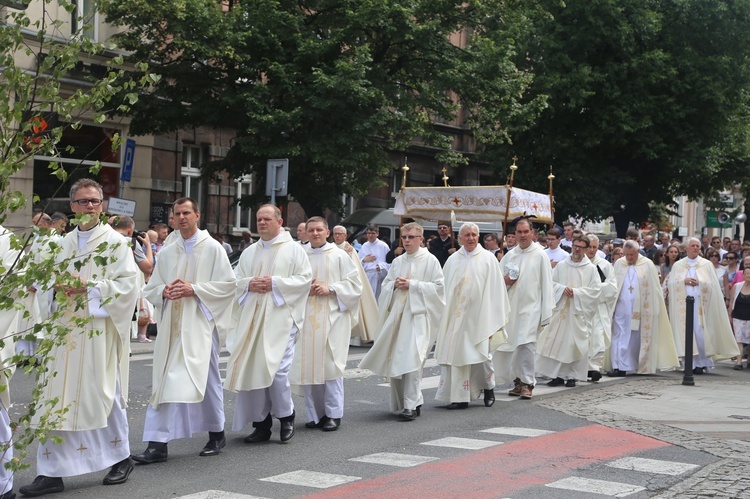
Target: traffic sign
[
  {"x": 127, "y": 162},
  {"x": 718, "y": 219}
]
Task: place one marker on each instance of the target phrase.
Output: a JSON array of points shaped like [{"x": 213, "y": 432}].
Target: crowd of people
[{"x": 559, "y": 306}]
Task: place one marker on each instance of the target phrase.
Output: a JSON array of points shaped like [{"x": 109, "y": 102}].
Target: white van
[{"x": 389, "y": 224}]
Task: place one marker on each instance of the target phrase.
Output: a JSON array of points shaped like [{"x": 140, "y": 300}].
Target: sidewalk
[{"x": 713, "y": 416}]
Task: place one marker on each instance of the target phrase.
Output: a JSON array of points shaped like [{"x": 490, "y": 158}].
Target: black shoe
[
  {"x": 699, "y": 370},
  {"x": 155, "y": 453},
  {"x": 457, "y": 405},
  {"x": 489, "y": 398},
  {"x": 332, "y": 424},
  {"x": 615, "y": 373},
  {"x": 408, "y": 415},
  {"x": 42, "y": 485},
  {"x": 319, "y": 424},
  {"x": 258, "y": 435},
  {"x": 213, "y": 447},
  {"x": 9, "y": 495},
  {"x": 556, "y": 382},
  {"x": 595, "y": 376},
  {"x": 119, "y": 472},
  {"x": 287, "y": 428},
  {"x": 571, "y": 383},
  {"x": 418, "y": 410}
]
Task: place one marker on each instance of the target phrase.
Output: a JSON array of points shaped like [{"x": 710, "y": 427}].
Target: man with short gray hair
[{"x": 472, "y": 325}]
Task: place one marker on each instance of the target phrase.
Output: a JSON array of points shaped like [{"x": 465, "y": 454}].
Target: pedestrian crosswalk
[{"x": 405, "y": 460}]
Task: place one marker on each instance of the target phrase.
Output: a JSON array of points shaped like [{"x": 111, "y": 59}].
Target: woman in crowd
[
  {"x": 617, "y": 253},
  {"x": 713, "y": 256},
  {"x": 670, "y": 257},
  {"x": 739, "y": 314},
  {"x": 732, "y": 262}
]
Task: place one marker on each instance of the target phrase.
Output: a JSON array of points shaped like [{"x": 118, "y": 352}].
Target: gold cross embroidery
[
  {"x": 46, "y": 453},
  {"x": 81, "y": 448},
  {"x": 115, "y": 441}
]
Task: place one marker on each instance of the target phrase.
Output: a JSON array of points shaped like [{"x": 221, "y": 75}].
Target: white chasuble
[
  {"x": 647, "y": 315},
  {"x": 476, "y": 309},
  {"x": 601, "y": 331},
  {"x": 566, "y": 338},
  {"x": 376, "y": 270},
  {"x": 8, "y": 320},
  {"x": 264, "y": 321},
  {"x": 531, "y": 297},
  {"x": 85, "y": 369},
  {"x": 710, "y": 313},
  {"x": 409, "y": 318},
  {"x": 366, "y": 326},
  {"x": 323, "y": 343},
  {"x": 183, "y": 345}
]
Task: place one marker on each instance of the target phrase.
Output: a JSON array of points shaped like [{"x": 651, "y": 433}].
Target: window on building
[
  {"x": 192, "y": 158},
  {"x": 243, "y": 214},
  {"x": 85, "y": 19}
]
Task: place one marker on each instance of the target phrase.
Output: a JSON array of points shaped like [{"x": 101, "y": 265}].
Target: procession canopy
[{"x": 485, "y": 203}]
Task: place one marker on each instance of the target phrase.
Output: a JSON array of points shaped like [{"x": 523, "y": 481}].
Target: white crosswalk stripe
[
  {"x": 652, "y": 466},
  {"x": 462, "y": 443},
  {"x": 393, "y": 459},
  {"x": 217, "y": 494},
  {"x": 518, "y": 432},
  {"x": 311, "y": 479},
  {"x": 609, "y": 489}
]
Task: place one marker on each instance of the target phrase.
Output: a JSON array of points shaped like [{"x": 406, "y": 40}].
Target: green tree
[
  {"x": 647, "y": 101},
  {"x": 331, "y": 84},
  {"x": 38, "y": 63}
]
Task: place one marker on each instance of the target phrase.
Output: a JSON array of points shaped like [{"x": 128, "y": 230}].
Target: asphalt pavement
[{"x": 637, "y": 437}]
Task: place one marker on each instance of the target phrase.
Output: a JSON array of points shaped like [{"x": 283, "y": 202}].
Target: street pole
[{"x": 687, "y": 377}]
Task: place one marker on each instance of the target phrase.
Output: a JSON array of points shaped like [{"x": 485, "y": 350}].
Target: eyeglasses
[
  {"x": 372, "y": 232},
  {"x": 731, "y": 258},
  {"x": 577, "y": 246},
  {"x": 85, "y": 202},
  {"x": 713, "y": 256},
  {"x": 409, "y": 238},
  {"x": 442, "y": 226}
]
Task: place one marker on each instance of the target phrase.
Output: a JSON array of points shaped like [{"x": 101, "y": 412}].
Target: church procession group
[{"x": 288, "y": 311}]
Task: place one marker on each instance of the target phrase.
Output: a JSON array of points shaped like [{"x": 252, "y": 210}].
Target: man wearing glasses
[
  {"x": 91, "y": 366},
  {"x": 410, "y": 308},
  {"x": 564, "y": 344},
  {"x": 372, "y": 255}
]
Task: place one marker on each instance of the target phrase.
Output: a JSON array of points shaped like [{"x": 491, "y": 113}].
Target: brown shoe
[
  {"x": 516, "y": 391},
  {"x": 526, "y": 391}
]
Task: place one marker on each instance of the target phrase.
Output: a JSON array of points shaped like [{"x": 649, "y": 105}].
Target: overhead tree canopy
[
  {"x": 647, "y": 101},
  {"x": 330, "y": 84}
]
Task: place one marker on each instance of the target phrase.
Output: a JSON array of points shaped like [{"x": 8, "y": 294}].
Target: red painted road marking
[{"x": 503, "y": 469}]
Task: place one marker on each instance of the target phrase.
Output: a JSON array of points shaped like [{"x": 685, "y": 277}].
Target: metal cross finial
[
  {"x": 445, "y": 177},
  {"x": 405, "y": 169}
]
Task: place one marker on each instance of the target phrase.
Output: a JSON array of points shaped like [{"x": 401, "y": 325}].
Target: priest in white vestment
[
  {"x": 563, "y": 350},
  {"x": 712, "y": 334},
  {"x": 38, "y": 300},
  {"x": 528, "y": 278},
  {"x": 88, "y": 373},
  {"x": 601, "y": 330},
  {"x": 192, "y": 290},
  {"x": 8, "y": 328},
  {"x": 372, "y": 255},
  {"x": 471, "y": 327},
  {"x": 411, "y": 304},
  {"x": 273, "y": 283},
  {"x": 367, "y": 313},
  {"x": 642, "y": 339},
  {"x": 323, "y": 343}
]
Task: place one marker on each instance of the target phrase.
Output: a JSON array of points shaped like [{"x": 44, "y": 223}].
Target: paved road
[{"x": 549, "y": 448}]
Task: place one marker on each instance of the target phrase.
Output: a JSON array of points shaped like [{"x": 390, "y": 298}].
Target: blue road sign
[{"x": 127, "y": 163}]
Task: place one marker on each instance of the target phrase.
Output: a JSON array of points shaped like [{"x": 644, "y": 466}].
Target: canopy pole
[{"x": 513, "y": 169}]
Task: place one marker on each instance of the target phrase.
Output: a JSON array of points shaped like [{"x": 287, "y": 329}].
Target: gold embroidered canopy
[{"x": 486, "y": 203}]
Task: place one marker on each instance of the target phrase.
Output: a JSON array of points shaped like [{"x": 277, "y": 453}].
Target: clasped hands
[
  {"x": 568, "y": 292},
  {"x": 401, "y": 283},
  {"x": 260, "y": 284},
  {"x": 72, "y": 290},
  {"x": 178, "y": 289},
  {"x": 319, "y": 289},
  {"x": 691, "y": 281}
]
